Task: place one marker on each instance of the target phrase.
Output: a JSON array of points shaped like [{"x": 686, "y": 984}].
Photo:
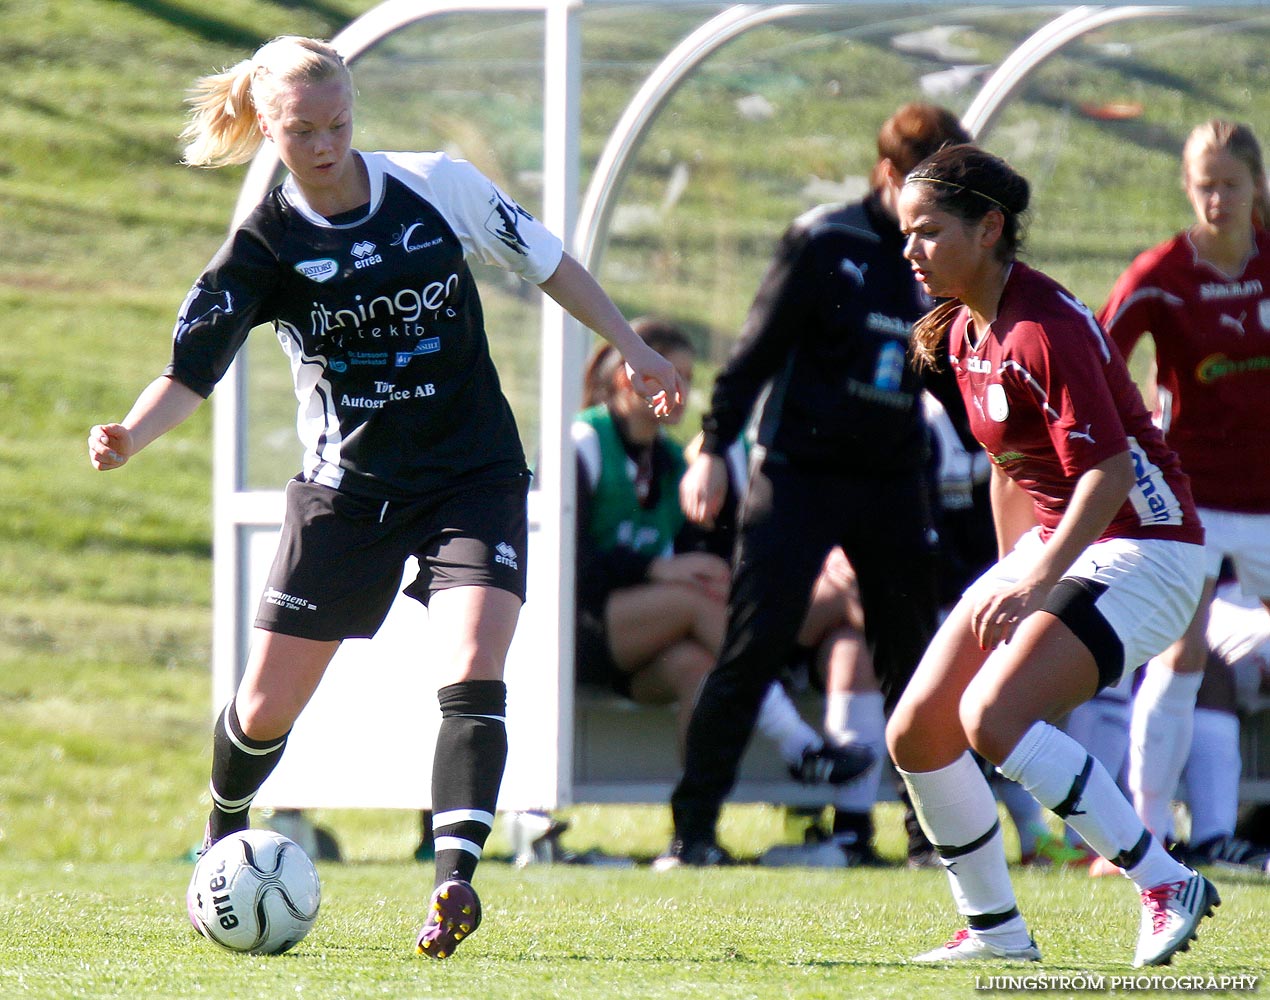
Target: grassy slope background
[{"x": 105, "y": 580}]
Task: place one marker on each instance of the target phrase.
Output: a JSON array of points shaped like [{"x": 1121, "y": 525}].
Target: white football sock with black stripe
[
  {"x": 958, "y": 812},
  {"x": 1066, "y": 779},
  {"x": 467, "y": 771}
]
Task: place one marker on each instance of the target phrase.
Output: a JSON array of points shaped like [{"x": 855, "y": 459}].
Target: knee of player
[
  {"x": 992, "y": 726},
  {"x": 904, "y": 737}
]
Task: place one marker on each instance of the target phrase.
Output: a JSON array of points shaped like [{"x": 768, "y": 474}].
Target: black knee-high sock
[
  {"x": 467, "y": 771},
  {"x": 240, "y": 766}
]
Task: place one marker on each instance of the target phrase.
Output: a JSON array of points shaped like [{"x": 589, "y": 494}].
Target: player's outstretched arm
[
  {"x": 581, "y": 296},
  {"x": 162, "y": 405}
]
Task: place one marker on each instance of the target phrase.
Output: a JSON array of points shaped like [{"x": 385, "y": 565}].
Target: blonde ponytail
[{"x": 222, "y": 127}]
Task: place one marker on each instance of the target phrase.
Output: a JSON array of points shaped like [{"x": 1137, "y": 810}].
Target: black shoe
[
  {"x": 1226, "y": 851},
  {"x": 832, "y": 765},
  {"x": 692, "y": 854}
]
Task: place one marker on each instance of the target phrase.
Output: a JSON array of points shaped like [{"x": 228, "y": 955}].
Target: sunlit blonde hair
[
  {"x": 1236, "y": 139},
  {"x": 222, "y": 127}
]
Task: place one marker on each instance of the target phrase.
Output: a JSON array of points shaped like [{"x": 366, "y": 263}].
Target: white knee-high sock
[
  {"x": 779, "y": 721},
  {"x": 959, "y": 814},
  {"x": 1066, "y": 779},
  {"x": 1159, "y": 741},
  {"x": 1212, "y": 775},
  {"x": 1025, "y": 813},
  {"x": 1101, "y": 726},
  {"x": 857, "y": 718}
]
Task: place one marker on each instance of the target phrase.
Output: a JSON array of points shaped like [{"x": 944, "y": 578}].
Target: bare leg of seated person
[{"x": 665, "y": 635}]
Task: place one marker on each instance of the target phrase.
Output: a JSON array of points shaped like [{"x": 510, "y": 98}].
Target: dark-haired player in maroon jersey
[
  {"x": 359, "y": 260},
  {"x": 1101, "y": 566},
  {"x": 1204, "y": 298}
]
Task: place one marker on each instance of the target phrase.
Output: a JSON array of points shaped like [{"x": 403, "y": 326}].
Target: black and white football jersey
[{"x": 380, "y": 317}]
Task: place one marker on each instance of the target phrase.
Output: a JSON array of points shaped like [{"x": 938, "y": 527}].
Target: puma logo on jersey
[
  {"x": 1235, "y": 324},
  {"x": 853, "y": 270},
  {"x": 1081, "y": 435}
]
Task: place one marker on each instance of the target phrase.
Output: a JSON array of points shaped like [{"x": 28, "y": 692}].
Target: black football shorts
[{"x": 341, "y": 558}]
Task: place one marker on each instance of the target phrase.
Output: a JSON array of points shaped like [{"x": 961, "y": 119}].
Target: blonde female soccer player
[{"x": 360, "y": 262}]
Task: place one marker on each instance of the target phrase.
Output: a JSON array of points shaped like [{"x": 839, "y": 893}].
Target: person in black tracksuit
[{"x": 841, "y": 459}]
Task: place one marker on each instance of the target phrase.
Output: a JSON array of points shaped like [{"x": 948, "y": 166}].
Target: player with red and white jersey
[
  {"x": 1050, "y": 399},
  {"x": 1203, "y": 297},
  {"x": 1101, "y": 566},
  {"x": 1212, "y": 354}
]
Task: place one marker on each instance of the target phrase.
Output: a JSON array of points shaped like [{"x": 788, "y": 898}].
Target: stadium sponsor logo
[
  {"x": 505, "y": 555},
  {"x": 289, "y": 602},
  {"x": 1229, "y": 289},
  {"x": 365, "y": 254},
  {"x": 1219, "y": 366},
  {"x": 410, "y": 239},
  {"x": 319, "y": 270}
]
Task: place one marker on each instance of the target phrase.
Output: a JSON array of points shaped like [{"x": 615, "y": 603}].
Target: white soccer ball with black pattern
[{"x": 255, "y": 892}]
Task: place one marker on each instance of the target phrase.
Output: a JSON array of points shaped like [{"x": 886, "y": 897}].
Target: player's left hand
[{"x": 658, "y": 382}]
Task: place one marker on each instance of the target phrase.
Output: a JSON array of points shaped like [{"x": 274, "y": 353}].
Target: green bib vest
[{"x": 617, "y": 519}]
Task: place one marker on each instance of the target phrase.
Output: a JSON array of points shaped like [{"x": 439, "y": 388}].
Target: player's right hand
[
  {"x": 703, "y": 489},
  {"x": 109, "y": 446}
]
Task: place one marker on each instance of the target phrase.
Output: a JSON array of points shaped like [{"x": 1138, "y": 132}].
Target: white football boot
[
  {"x": 1170, "y": 917},
  {"x": 964, "y": 945}
]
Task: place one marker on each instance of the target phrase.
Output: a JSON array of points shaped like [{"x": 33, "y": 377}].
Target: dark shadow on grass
[
  {"x": 195, "y": 547},
  {"x": 206, "y": 26},
  {"x": 328, "y": 11}
]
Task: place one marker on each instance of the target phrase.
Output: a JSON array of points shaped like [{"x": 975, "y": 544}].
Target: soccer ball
[{"x": 254, "y": 891}]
